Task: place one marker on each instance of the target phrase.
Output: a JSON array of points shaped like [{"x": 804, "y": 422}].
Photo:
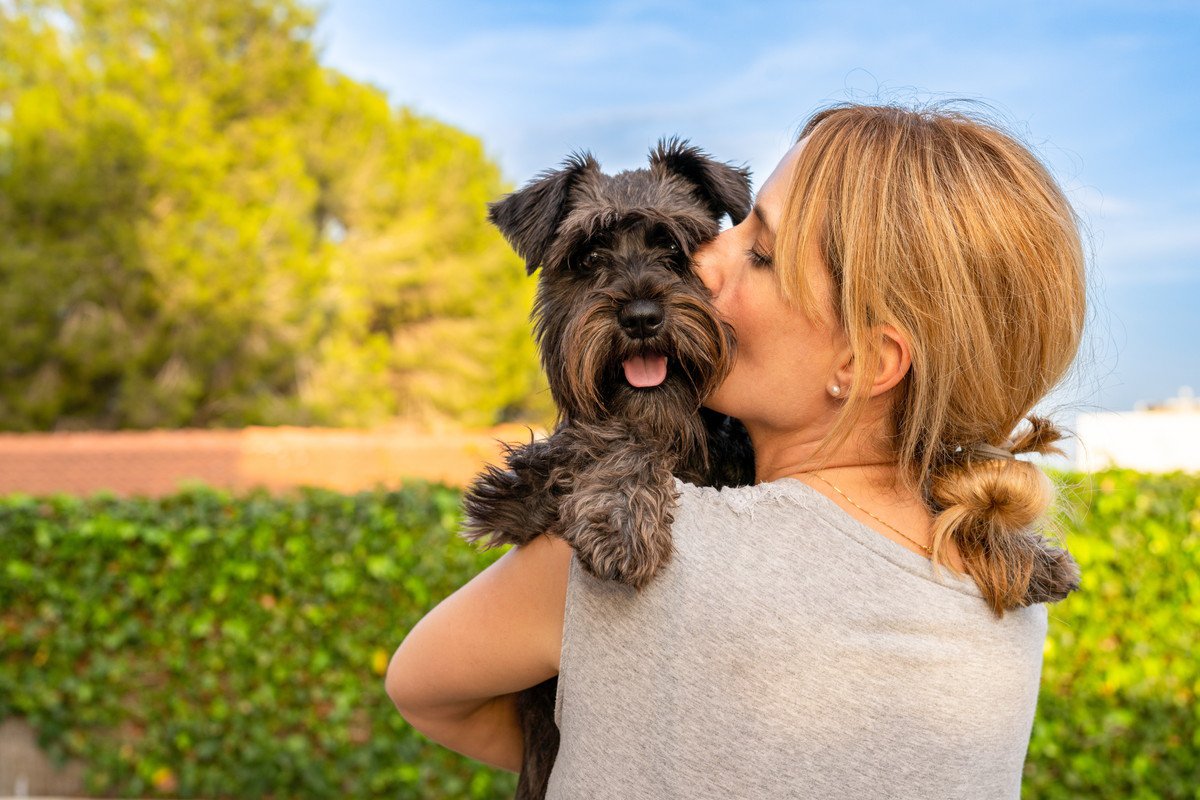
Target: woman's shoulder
[
  {"x": 742, "y": 500},
  {"x": 799, "y": 516}
]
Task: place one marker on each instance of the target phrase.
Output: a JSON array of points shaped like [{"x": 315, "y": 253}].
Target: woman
[{"x": 909, "y": 285}]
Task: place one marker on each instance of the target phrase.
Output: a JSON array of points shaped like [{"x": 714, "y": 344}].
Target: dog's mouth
[{"x": 646, "y": 370}]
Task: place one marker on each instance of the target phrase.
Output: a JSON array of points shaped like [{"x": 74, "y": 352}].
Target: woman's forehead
[{"x": 769, "y": 204}]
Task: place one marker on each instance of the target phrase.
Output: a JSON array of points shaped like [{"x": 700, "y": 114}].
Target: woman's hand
[{"x": 455, "y": 675}]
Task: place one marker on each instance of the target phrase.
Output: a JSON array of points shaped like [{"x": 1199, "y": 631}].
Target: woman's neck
[{"x": 779, "y": 454}]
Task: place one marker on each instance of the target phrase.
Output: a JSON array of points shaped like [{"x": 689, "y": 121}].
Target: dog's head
[{"x": 623, "y": 324}]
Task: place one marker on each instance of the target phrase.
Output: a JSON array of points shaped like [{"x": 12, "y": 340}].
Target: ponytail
[{"x": 993, "y": 507}]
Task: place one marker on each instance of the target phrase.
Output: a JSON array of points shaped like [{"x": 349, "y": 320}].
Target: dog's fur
[{"x": 616, "y": 284}]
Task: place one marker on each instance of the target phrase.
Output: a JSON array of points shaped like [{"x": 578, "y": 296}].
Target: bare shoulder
[
  {"x": 548, "y": 560},
  {"x": 499, "y": 633},
  {"x": 543, "y": 564},
  {"x": 530, "y": 583}
]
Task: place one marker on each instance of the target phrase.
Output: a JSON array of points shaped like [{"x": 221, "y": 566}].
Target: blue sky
[{"x": 1106, "y": 92}]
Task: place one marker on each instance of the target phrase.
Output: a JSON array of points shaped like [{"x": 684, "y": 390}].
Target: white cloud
[{"x": 1146, "y": 242}]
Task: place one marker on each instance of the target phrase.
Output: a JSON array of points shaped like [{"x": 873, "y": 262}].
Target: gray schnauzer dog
[{"x": 631, "y": 346}]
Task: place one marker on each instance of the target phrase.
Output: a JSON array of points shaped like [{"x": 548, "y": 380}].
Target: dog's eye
[
  {"x": 587, "y": 259},
  {"x": 660, "y": 238}
]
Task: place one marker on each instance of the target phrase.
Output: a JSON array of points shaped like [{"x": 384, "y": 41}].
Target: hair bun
[
  {"x": 990, "y": 506},
  {"x": 1004, "y": 495}
]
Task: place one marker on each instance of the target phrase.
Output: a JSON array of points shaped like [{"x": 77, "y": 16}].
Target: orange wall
[{"x": 153, "y": 462}]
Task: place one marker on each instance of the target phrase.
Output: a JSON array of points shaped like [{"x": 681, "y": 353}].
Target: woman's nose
[{"x": 707, "y": 263}]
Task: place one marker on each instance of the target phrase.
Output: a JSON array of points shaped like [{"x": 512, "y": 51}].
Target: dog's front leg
[
  {"x": 618, "y": 516},
  {"x": 515, "y": 505}
]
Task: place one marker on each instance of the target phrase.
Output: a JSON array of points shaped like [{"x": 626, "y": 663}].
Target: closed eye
[{"x": 760, "y": 259}]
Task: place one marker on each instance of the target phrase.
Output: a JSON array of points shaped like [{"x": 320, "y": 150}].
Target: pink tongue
[{"x": 643, "y": 371}]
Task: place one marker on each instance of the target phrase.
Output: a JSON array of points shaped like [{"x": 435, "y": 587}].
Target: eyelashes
[{"x": 760, "y": 259}]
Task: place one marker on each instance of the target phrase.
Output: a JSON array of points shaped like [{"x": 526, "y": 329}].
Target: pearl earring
[{"x": 835, "y": 390}]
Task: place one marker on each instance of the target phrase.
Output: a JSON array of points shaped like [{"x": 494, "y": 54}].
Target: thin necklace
[{"x": 817, "y": 475}]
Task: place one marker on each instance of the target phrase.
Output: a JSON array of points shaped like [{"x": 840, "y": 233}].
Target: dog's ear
[
  {"x": 724, "y": 187},
  {"x": 529, "y": 218}
]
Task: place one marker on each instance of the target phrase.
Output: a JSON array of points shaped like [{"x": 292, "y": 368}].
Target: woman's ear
[{"x": 894, "y": 361}]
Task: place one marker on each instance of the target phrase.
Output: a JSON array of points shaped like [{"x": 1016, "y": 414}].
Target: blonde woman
[{"x": 859, "y": 622}]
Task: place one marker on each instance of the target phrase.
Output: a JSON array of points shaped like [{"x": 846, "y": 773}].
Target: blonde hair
[{"x": 950, "y": 230}]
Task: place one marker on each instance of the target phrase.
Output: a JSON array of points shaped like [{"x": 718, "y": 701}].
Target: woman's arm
[{"x": 455, "y": 676}]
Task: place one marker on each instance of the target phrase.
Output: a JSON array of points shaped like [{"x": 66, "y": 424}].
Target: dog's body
[{"x": 631, "y": 345}]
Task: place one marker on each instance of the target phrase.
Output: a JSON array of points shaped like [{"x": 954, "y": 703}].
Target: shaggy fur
[{"x": 616, "y": 284}]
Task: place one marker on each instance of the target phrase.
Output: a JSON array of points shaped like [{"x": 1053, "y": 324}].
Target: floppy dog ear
[
  {"x": 529, "y": 218},
  {"x": 724, "y": 187}
]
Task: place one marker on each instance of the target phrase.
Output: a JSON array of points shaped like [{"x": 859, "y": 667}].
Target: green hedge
[
  {"x": 1118, "y": 715},
  {"x": 203, "y": 645},
  {"x": 213, "y": 646}
]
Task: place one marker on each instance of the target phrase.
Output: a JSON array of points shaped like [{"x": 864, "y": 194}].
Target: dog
[{"x": 631, "y": 346}]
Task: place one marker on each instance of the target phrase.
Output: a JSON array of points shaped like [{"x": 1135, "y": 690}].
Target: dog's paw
[
  {"x": 616, "y": 561},
  {"x": 618, "y": 537},
  {"x": 1055, "y": 575},
  {"x": 495, "y": 508}
]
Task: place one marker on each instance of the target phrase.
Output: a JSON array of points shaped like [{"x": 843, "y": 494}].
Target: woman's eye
[{"x": 760, "y": 259}]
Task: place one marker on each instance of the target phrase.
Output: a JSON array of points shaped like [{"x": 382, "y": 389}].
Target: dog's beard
[{"x": 592, "y": 377}]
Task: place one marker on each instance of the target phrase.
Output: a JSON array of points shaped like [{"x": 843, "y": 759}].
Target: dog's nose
[{"x": 641, "y": 319}]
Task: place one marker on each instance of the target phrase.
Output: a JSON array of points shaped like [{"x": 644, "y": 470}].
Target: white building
[{"x": 1151, "y": 438}]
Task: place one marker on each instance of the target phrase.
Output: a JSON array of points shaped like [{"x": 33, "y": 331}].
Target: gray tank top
[{"x": 788, "y": 650}]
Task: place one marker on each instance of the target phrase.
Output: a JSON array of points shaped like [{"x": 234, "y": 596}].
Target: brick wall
[{"x": 153, "y": 462}]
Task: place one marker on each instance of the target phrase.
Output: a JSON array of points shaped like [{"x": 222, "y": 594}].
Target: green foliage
[
  {"x": 205, "y": 227},
  {"x": 210, "y": 645},
  {"x": 217, "y": 646},
  {"x": 1118, "y": 715}
]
